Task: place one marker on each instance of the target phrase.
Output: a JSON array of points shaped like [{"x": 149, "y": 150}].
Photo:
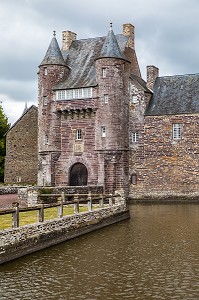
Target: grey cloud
[{"x": 166, "y": 34}]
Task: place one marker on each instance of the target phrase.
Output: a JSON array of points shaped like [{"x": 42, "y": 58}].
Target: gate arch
[{"x": 78, "y": 175}]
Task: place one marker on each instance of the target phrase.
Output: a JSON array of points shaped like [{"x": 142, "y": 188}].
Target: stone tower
[
  {"x": 52, "y": 70},
  {"x": 112, "y": 128},
  {"x": 84, "y": 111}
]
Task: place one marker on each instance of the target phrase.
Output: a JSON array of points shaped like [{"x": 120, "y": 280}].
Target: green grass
[{"x": 31, "y": 217}]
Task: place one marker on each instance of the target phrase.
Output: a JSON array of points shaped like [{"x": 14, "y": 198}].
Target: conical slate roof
[
  {"x": 110, "y": 47},
  {"x": 53, "y": 55}
]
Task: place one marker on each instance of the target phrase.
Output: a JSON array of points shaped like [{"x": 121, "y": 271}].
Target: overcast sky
[{"x": 166, "y": 35}]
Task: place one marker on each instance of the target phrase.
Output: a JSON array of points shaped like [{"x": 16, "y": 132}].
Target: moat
[{"x": 154, "y": 255}]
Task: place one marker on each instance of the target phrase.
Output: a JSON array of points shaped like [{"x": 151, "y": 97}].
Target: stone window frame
[
  {"x": 79, "y": 134},
  {"x": 45, "y": 71},
  {"x": 103, "y": 131},
  {"x": 177, "y": 131}
]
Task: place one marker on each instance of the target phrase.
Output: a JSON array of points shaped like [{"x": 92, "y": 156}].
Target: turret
[
  {"x": 112, "y": 136},
  {"x": 112, "y": 69},
  {"x": 52, "y": 71}
]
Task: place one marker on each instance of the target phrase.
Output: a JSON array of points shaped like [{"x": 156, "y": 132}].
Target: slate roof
[
  {"x": 174, "y": 95},
  {"x": 53, "y": 55},
  {"x": 81, "y": 61},
  {"x": 141, "y": 82},
  {"x": 110, "y": 47}
]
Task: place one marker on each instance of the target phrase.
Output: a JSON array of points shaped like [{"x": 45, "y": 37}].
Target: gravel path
[{"x": 7, "y": 200}]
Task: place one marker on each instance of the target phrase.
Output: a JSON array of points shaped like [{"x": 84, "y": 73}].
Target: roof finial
[
  {"x": 54, "y": 33},
  {"x": 111, "y": 25}
]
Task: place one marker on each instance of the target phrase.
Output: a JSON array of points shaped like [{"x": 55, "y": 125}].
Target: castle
[{"x": 101, "y": 124}]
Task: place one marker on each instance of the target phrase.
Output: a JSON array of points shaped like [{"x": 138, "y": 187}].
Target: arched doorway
[{"x": 78, "y": 175}]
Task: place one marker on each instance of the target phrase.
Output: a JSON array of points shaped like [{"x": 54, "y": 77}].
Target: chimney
[
  {"x": 152, "y": 73},
  {"x": 67, "y": 38},
  {"x": 128, "y": 30}
]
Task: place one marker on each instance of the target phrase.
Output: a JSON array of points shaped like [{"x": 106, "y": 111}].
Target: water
[{"x": 154, "y": 255}]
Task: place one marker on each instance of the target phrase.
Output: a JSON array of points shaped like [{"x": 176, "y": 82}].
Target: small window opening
[
  {"x": 134, "y": 99},
  {"x": 45, "y": 71},
  {"x": 135, "y": 137},
  {"x": 104, "y": 72},
  {"x": 106, "y": 98},
  {"x": 46, "y": 139},
  {"x": 45, "y": 100},
  {"x": 79, "y": 134},
  {"x": 177, "y": 131},
  {"x": 134, "y": 179},
  {"x": 103, "y": 131}
]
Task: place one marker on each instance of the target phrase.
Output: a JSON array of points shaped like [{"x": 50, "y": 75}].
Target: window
[
  {"x": 106, "y": 98},
  {"x": 135, "y": 137},
  {"x": 45, "y": 100},
  {"x": 134, "y": 99},
  {"x": 18, "y": 178},
  {"x": 74, "y": 94},
  {"x": 104, "y": 72},
  {"x": 45, "y": 71},
  {"x": 103, "y": 131},
  {"x": 134, "y": 179},
  {"x": 46, "y": 139},
  {"x": 177, "y": 131},
  {"x": 79, "y": 134}
]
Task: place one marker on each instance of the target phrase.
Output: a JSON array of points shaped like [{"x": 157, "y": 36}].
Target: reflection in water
[{"x": 154, "y": 255}]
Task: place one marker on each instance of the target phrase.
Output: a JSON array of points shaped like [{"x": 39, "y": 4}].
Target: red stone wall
[{"x": 171, "y": 167}]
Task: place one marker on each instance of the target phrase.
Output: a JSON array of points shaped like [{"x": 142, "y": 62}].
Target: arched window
[{"x": 78, "y": 175}]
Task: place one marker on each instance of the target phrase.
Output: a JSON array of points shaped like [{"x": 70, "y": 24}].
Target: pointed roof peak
[
  {"x": 25, "y": 109},
  {"x": 111, "y": 47},
  {"x": 53, "y": 55}
]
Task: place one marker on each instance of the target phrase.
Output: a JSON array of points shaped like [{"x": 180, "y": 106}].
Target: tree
[{"x": 4, "y": 126}]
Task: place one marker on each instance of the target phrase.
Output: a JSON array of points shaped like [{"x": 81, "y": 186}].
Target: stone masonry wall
[
  {"x": 21, "y": 150},
  {"x": 20, "y": 241},
  {"x": 171, "y": 167}
]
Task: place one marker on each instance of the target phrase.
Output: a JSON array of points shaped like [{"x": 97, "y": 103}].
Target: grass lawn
[{"x": 31, "y": 217}]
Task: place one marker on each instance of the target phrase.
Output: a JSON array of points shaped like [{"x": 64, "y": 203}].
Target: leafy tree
[{"x": 4, "y": 126}]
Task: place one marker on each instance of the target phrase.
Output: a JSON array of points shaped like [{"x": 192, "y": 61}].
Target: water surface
[{"x": 154, "y": 255}]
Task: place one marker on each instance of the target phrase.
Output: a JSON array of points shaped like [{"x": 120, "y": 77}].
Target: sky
[{"x": 166, "y": 35}]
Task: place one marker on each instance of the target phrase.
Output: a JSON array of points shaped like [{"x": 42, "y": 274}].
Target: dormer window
[
  {"x": 104, "y": 71},
  {"x": 71, "y": 94}
]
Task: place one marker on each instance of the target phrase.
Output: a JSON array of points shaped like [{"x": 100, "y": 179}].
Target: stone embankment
[
  {"x": 9, "y": 190},
  {"x": 20, "y": 241}
]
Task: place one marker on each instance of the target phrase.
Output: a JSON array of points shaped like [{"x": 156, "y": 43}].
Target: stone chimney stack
[
  {"x": 67, "y": 38},
  {"x": 128, "y": 30},
  {"x": 152, "y": 74}
]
